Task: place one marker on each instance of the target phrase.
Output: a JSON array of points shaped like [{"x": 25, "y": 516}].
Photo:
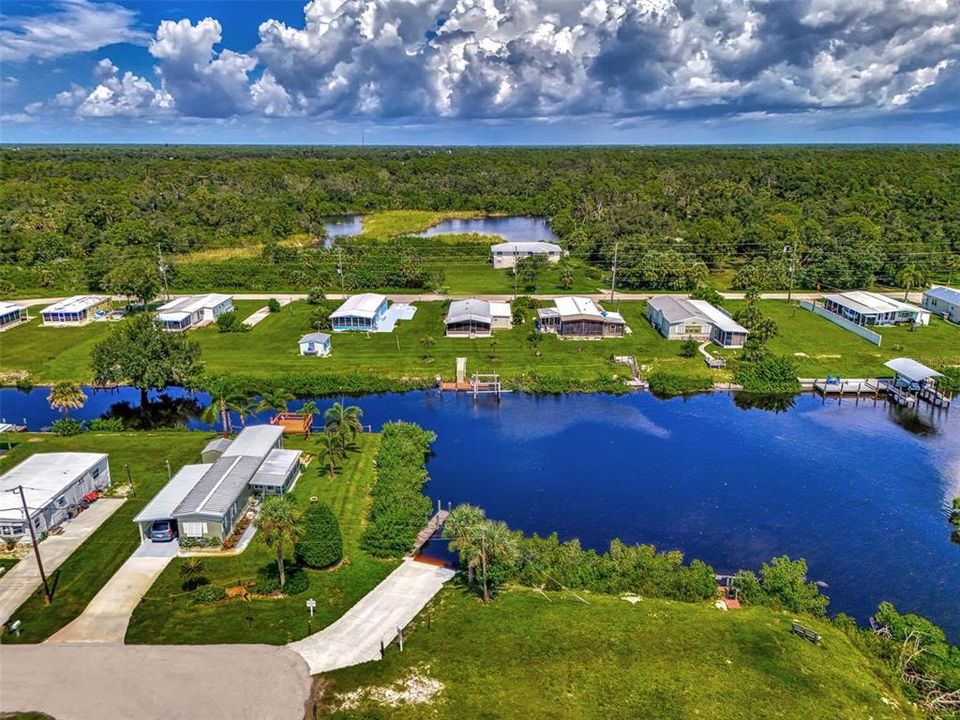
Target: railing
[{"x": 868, "y": 335}]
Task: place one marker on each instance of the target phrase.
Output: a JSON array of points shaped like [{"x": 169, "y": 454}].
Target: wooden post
[
  {"x": 381, "y": 649},
  {"x": 400, "y": 637}
]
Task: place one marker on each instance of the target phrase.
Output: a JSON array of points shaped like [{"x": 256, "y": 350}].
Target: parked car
[{"x": 163, "y": 531}]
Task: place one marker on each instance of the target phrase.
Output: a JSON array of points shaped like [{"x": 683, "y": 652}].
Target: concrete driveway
[
  {"x": 106, "y": 618},
  {"x": 154, "y": 682},
  {"x": 18, "y": 583},
  {"x": 355, "y": 638}
]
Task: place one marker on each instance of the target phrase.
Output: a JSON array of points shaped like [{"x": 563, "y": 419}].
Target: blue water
[
  {"x": 341, "y": 226},
  {"x": 517, "y": 228},
  {"x": 860, "y": 491}
]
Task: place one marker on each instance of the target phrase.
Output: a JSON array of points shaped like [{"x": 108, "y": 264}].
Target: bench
[{"x": 805, "y": 632}]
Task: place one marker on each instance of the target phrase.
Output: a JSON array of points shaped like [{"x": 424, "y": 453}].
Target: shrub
[
  {"x": 274, "y": 305},
  {"x": 769, "y": 374},
  {"x": 268, "y": 580},
  {"x": 68, "y": 426},
  {"x": 664, "y": 383},
  {"x": 316, "y": 296},
  {"x": 708, "y": 294},
  {"x": 399, "y": 508},
  {"x": 322, "y": 544},
  {"x": 230, "y": 322},
  {"x": 783, "y": 584},
  {"x": 106, "y": 425},
  {"x": 200, "y": 542},
  {"x": 689, "y": 348},
  {"x": 208, "y": 594}
]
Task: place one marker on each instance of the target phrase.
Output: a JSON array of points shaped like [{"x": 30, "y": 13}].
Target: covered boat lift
[{"x": 913, "y": 381}]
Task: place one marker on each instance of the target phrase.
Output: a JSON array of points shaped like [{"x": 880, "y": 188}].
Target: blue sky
[{"x": 480, "y": 71}]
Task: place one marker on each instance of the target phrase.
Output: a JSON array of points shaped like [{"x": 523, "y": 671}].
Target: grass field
[
  {"x": 90, "y": 566},
  {"x": 525, "y": 655},
  {"x": 818, "y": 346},
  {"x": 167, "y": 615},
  {"x": 391, "y": 223},
  {"x": 821, "y": 348}
]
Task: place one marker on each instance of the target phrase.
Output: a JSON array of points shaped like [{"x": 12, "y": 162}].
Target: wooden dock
[
  {"x": 436, "y": 522},
  {"x": 847, "y": 387}
]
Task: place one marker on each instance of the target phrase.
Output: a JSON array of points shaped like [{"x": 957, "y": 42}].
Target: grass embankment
[
  {"x": 525, "y": 656},
  {"x": 821, "y": 348},
  {"x": 90, "y": 566},
  {"x": 393, "y": 223},
  {"x": 167, "y": 614}
]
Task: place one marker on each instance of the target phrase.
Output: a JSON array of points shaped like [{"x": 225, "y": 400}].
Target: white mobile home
[
  {"x": 943, "y": 302},
  {"x": 11, "y": 314},
  {"x": 679, "y": 318},
  {"x": 359, "y": 312},
  {"x": 76, "y": 310},
  {"x": 193, "y": 311},
  {"x": 869, "y": 308},
  {"x": 53, "y": 485},
  {"x": 316, "y": 344},
  {"x": 476, "y": 318},
  {"x": 580, "y": 318},
  {"x": 506, "y": 255}
]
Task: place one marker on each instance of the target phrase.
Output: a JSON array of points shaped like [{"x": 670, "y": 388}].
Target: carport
[{"x": 169, "y": 497}]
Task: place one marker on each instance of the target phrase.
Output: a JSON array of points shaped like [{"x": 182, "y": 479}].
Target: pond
[
  {"x": 517, "y": 228},
  {"x": 341, "y": 226},
  {"x": 859, "y": 490}
]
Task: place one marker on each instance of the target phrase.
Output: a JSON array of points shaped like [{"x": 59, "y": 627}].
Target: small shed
[
  {"x": 214, "y": 449},
  {"x": 316, "y": 344}
]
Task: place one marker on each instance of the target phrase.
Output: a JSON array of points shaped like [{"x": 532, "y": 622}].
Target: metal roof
[
  {"x": 911, "y": 369},
  {"x": 165, "y": 502},
  {"x": 6, "y": 307},
  {"x": 189, "y": 304},
  {"x": 317, "y": 337},
  {"x": 276, "y": 467},
  {"x": 219, "y": 444},
  {"x": 718, "y": 317},
  {"x": 364, "y": 305},
  {"x": 571, "y": 308},
  {"x": 255, "y": 441},
  {"x": 77, "y": 303},
  {"x": 500, "y": 309},
  {"x": 219, "y": 487},
  {"x": 942, "y": 292},
  {"x": 675, "y": 309},
  {"x": 870, "y": 303},
  {"x": 472, "y": 309},
  {"x": 43, "y": 477},
  {"x": 526, "y": 247}
]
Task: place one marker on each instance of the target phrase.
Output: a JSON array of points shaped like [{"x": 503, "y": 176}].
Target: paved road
[
  {"x": 106, "y": 618},
  {"x": 285, "y": 298},
  {"x": 18, "y": 583},
  {"x": 154, "y": 682},
  {"x": 355, "y": 638}
]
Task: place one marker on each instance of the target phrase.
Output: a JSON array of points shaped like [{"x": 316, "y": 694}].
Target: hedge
[
  {"x": 399, "y": 509},
  {"x": 322, "y": 544}
]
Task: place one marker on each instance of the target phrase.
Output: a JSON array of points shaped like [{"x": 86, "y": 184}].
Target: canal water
[
  {"x": 860, "y": 490},
  {"x": 341, "y": 226},
  {"x": 517, "y": 228}
]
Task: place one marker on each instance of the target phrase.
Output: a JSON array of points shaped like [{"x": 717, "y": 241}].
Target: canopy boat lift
[{"x": 914, "y": 382}]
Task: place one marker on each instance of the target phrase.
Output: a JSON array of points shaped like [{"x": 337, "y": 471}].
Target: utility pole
[
  {"x": 613, "y": 280},
  {"x": 163, "y": 273},
  {"x": 340, "y": 267},
  {"x": 792, "y": 251},
  {"x": 36, "y": 548}
]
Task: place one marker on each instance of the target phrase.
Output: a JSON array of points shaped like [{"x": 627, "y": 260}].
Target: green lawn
[
  {"x": 167, "y": 616},
  {"x": 8, "y": 562},
  {"x": 821, "y": 348},
  {"x": 48, "y": 353},
  {"x": 400, "y": 354},
  {"x": 528, "y": 656},
  {"x": 94, "y": 562}
]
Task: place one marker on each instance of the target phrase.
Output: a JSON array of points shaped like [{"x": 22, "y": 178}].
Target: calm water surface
[
  {"x": 860, "y": 491},
  {"x": 516, "y": 228},
  {"x": 341, "y": 226}
]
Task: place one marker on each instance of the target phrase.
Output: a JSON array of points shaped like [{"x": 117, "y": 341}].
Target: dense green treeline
[{"x": 852, "y": 216}]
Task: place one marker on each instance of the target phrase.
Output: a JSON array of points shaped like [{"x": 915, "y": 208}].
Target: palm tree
[
  {"x": 225, "y": 395},
  {"x": 279, "y": 524},
  {"x": 460, "y": 528},
  {"x": 65, "y": 396},
  {"x": 243, "y": 406},
  {"x": 330, "y": 450},
  {"x": 276, "y": 399},
  {"x": 566, "y": 277},
  {"x": 343, "y": 421},
  {"x": 495, "y": 542},
  {"x": 909, "y": 277},
  {"x": 192, "y": 571}
]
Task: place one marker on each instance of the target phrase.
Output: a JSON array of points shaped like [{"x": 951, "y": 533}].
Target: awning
[{"x": 911, "y": 369}]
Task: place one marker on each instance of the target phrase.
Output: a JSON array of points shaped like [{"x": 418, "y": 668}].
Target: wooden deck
[
  {"x": 847, "y": 387},
  {"x": 436, "y": 522}
]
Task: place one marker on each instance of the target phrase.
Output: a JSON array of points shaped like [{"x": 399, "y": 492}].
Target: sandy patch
[{"x": 416, "y": 688}]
